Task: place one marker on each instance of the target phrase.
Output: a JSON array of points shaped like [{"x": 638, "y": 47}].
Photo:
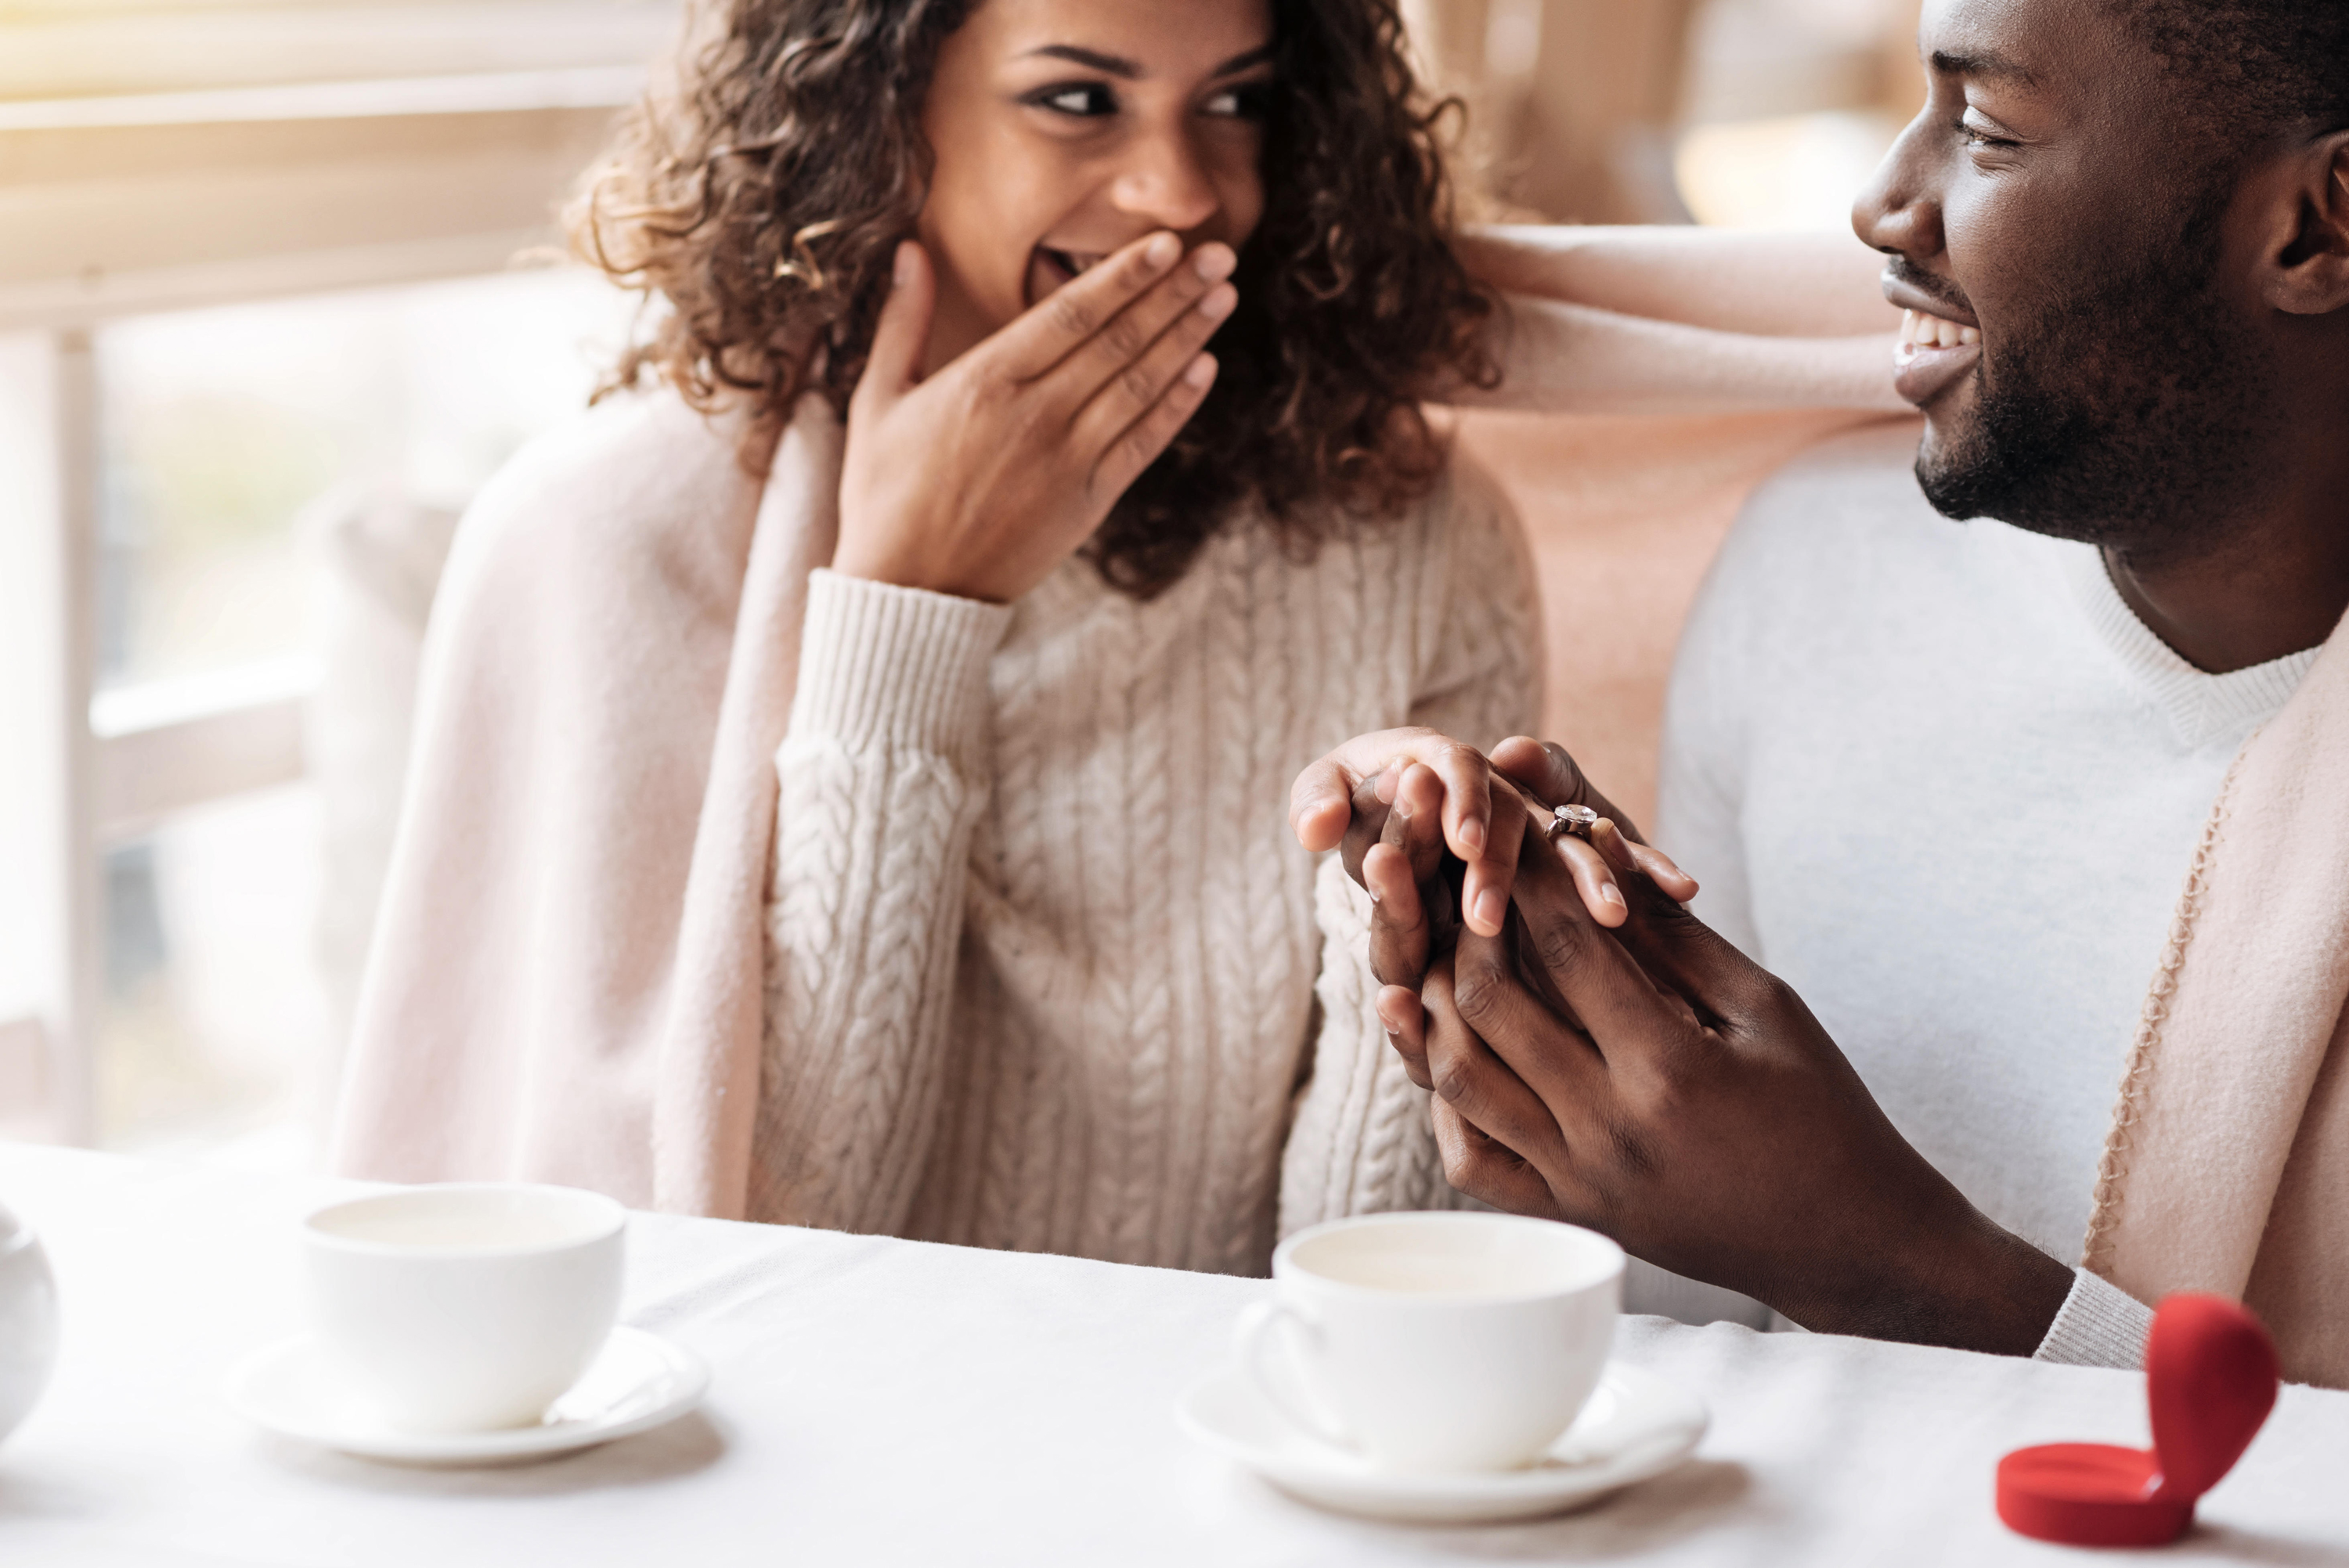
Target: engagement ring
[{"x": 1571, "y": 821}]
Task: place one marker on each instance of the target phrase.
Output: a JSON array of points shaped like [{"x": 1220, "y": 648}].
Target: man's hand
[{"x": 1675, "y": 1096}]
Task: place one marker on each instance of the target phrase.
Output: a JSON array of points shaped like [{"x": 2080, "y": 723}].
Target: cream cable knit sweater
[{"x": 1046, "y": 969}]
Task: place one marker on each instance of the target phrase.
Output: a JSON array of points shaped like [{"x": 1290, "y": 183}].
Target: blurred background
[{"x": 276, "y": 296}]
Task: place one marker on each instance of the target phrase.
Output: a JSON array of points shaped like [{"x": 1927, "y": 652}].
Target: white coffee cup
[
  {"x": 468, "y": 1306},
  {"x": 1436, "y": 1342}
]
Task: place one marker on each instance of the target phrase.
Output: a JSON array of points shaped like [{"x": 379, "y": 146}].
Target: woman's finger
[
  {"x": 1319, "y": 802},
  {"x": 1467, "y": 796},
  {"x": 1546, "y": 771},
  {"x": 1116, "y": 374},
  {"x": 1064, "y": 321},
  {"x": 895, "y": 364},
  {"x": 1416, "y": 825},
  {"x": 1594, "y": 877},
  {"x": 1509, "y": 826},
  {"x": 1676, "y": 883},
  {"x": 1142, "y": 441},
  {"x": 1127, "y": 398}
]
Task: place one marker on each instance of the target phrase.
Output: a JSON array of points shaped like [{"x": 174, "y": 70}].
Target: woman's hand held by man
[
  {"x": 981, "y": 479},
  {"x": 1393, "y": 801}
]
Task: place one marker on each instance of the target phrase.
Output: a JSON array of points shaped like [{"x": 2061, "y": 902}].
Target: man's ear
[{"x": 2308, "y": 273}]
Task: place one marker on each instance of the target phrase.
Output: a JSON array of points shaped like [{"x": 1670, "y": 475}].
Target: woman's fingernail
[
  {"x": 1490, "y": 908},
  {"x": 1162, "y": 251},
  {"x": 1372, "y": 891},
  {"x": 1200, "y": 371},
  {"x": 1608, "y": 894},
  {"x": 1383, "y": 787},
  {"x": 1219, "y": 303},
  {"x": 1472, "y": 833},
  {"x": 1215, "y": 263},
  {"x": 1402, "y": 808}
]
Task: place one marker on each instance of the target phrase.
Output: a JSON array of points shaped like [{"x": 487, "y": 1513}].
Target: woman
[{"x": 885, "y": 834}]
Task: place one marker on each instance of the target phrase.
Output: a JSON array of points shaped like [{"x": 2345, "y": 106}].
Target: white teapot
[{"x": 28, "y": 1320}]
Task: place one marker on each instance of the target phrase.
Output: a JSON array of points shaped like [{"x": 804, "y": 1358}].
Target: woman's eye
[
  {"x": 1250, "y": 100},
  {"x": 1088, "y": 101}
]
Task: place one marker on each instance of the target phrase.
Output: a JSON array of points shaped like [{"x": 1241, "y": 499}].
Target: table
[{"x": 883, "y": 1402}]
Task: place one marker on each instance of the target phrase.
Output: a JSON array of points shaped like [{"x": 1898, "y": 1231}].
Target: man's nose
[
  {"x": 1164, "y": 182},
  {"x": 1897, "y": 210}
]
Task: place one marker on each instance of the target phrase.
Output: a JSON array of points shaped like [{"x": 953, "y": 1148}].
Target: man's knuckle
[
  {"x": 1453, "y": 1080},
  {"x": 1477, "y": 991},
  {"x": 1559, "y": 945},
  {"x": 1633, "y": 1149}
]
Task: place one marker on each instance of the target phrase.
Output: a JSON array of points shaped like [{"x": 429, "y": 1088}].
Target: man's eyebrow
[
  {"x": 1990, "y": 66},
  {"x": 1128, "y": 70}
]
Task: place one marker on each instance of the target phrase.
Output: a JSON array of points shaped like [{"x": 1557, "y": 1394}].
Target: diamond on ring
[{"x": 1575, "y": 821}]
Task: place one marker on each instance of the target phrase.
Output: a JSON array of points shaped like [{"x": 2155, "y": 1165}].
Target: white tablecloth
[{"x": 882, "y": 1402}]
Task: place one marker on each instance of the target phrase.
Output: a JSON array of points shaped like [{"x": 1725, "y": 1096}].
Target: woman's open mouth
[
  {"x": 1933, "y": 353},
  {"x": 1049, "y": 268}
]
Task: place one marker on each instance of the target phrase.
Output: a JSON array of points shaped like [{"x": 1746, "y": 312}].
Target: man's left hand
[{"x": 1672, "y": 1094}]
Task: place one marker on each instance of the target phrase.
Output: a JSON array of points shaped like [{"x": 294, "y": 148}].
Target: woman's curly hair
[{"x": 765, "y": 200}]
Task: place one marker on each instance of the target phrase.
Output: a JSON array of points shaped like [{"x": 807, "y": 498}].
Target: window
[{"x": 260, "y": 338}]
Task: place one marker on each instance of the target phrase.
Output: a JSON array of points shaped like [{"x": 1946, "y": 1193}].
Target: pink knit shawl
[
  {"x": 567, "y": 980},
  {"x": 2226, "y": 1167}
]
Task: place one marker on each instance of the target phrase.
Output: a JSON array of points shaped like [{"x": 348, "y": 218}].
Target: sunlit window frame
[{"x": 243, "y": 176}]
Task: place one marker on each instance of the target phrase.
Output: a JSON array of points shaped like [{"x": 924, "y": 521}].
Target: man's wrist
[
  {"x": 1981, "y": 1288},
  {"x": 1967, "y": 1284}
]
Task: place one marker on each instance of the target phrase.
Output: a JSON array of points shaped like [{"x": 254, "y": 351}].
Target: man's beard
[{"x": 2125, "y": 415}]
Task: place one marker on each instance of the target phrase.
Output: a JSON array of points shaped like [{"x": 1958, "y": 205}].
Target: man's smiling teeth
[{"x": 1919, "y": 330}]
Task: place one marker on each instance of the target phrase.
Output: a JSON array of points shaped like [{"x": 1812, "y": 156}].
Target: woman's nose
[
  {"x": 1164, "y": 183},
  {"x": 1897, "y": 210}
]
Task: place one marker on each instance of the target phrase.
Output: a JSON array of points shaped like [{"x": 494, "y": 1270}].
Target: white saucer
[
  {"x": 639, "y": 1381},
  {"x": 1636, "y": 1426}
]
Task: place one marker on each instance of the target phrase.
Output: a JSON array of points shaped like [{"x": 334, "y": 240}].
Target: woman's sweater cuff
[
  {"x": 2099, "y": 1325},
  {"x": 881, "y": 665}
]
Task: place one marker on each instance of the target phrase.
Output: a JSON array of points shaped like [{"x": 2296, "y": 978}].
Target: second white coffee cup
[
  {"x": 466, "y": 1306},
  {"x": 1436, "y": 1342}
]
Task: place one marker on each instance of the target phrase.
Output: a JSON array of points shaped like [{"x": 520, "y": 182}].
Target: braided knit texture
[
  {"x": 1042, "y": 954},
  {"x": 2136, "y": 1072}
]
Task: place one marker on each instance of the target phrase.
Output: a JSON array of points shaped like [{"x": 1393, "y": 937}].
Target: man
[{"x": 1945, "y": 781}]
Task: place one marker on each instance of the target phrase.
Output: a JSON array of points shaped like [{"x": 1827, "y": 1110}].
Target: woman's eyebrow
[
  {"x": 1128, "y": 70},
  {"x": 1092, "y": 59}
]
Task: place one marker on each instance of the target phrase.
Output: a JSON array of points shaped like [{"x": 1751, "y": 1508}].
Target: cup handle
[{"x": 1252, "y": 1337}]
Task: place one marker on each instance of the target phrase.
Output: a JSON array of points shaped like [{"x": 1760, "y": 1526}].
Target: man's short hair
[{"x": 2251, "y": 69}]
